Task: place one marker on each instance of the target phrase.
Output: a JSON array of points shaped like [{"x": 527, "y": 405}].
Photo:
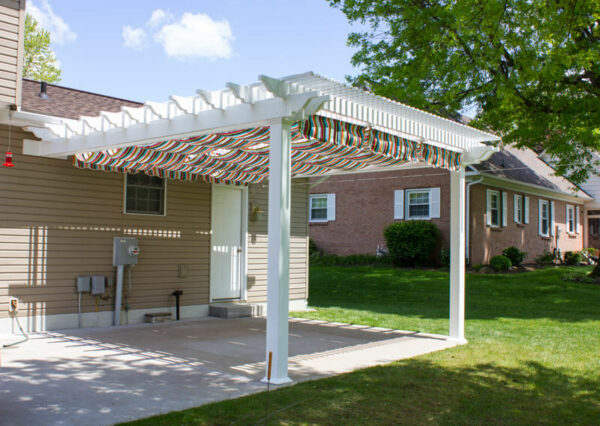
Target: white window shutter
[
  {"x": 434, "y": 203},
  {"x": 488, "y": 208},
  {"x": 552, "y": 230},
  {"x": 516, "y": 208},
  {"x": 526, "y": 209},
  {"x": 330, "y": 206},
  {"x": 540, "y": 217},
  {"x": 504, "y": 209},
  {"x": 399, "y": 204},
  {"x": 577, "y": 225}
]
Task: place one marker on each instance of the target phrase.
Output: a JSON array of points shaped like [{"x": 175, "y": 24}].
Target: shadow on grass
[
  {"x": 416, "y": 392},
  {"x": 424, "y": 293}
]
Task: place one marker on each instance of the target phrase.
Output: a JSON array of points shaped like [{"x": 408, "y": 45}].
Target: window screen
[
  {"x": 318, "y": 208},
  {"x": 418, "y": 204}
]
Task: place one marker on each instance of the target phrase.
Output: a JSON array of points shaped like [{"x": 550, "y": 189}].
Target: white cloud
[
  {"x": 133, "y": 38},
  {"x": 196, "y": 36},
  {"x": 60, "y": 32},
  {"x": 159, "y": 17}
]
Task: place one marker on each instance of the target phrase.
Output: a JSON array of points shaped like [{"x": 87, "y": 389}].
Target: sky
[{"x": 148, "y": 49}]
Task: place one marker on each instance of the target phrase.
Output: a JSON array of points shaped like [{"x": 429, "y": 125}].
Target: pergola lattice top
[{"x": 335, "y": 129}]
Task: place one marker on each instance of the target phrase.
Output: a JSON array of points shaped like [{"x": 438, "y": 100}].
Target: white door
[{"x": 226, "y": 243}]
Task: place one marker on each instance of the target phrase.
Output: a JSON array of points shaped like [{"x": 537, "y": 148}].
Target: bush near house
[
  {"x": 312, "y": 248},
  {"x": 545, "y": 259},
  {"x": 500, "y": 263},
  {"x": 412, "y": 243},
  {"x": 572, "y": 257},
  {"x": 515, "y": 255}
]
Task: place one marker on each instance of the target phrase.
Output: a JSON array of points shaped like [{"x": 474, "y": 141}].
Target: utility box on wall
[{"x": 125, "y": 251}]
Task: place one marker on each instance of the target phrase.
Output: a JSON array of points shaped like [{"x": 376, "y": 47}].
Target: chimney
[{"x": 44, "y": 91}]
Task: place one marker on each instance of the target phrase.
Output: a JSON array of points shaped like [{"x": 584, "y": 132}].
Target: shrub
[
  {"x": 477, "y": 267},
  {"x": 412, "y": 243},
  {"x": 500, "y": 263},
  {"x": 572, "y": 257},
  {"x": 515, "y": 255},
  {"x": 312, "y": 247},
  {"x": 445, "y": 257},
  {"x": 546, "y": 258}
]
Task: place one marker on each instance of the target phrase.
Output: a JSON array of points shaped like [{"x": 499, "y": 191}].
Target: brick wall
[
  {"x": 365, "y": 206},
  {"x": 486, "y": 242}
]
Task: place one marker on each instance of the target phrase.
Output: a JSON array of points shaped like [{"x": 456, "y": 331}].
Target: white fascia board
[
  {"x": 236, "y": 117},
  {"x": 532, "y": 189},
  {"x": 24, "y": 118}
]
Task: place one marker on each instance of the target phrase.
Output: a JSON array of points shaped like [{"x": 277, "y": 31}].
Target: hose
[{"x": 26, "y": 337}]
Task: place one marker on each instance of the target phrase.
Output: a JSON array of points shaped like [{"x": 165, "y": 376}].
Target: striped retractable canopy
[{"x": 320, "y": 145}]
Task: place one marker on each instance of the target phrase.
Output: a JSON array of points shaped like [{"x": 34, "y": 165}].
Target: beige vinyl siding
[
  {"x": 12, "y": 23},
  {"x": 58, "y": 222},
  {"x": 258, "y": 243}
]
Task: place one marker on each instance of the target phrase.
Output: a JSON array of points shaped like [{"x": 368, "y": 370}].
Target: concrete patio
[{"x": 108, "y": 375}]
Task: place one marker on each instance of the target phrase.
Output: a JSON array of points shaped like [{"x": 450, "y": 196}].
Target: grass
[{"x": 533, "y": 354}]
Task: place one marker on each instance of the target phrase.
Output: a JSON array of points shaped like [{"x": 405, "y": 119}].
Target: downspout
[{"x": 467, "y": 212}]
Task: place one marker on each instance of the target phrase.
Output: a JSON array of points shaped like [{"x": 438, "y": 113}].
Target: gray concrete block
[{"x": 233, "y": 310}]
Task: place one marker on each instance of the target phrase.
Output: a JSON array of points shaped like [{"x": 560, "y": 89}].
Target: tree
[
  {"x": 530, "y": 68},
  {"x": 39, "y": 62}
]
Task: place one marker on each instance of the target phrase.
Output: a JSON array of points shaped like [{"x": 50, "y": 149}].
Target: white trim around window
[
  {"x": 493, "y": 208},
  {"x": 570, "y": 219},
  {"x": 417, "y": 203},
  {"x": 544, "y": 218},
  {"x": 518, "y": 209},
  {"x": 321, "y": 208}
]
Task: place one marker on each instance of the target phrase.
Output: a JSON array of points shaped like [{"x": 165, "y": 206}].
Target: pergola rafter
[{"x": 298, "y": 126}]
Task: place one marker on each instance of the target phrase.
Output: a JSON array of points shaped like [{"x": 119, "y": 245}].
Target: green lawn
[{"x": 533, "y": 354}]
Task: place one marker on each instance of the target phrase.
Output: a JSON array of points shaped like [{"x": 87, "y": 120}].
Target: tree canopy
[
  {"x": 529, "y": 68},
  {"x": 39, "y": 62}
]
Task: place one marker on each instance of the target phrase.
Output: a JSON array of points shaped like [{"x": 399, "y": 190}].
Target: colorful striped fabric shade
[{"x": 320, "y": 145}]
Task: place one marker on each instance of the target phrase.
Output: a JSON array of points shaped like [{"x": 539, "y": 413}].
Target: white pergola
[{"x": 298, "y": 126}]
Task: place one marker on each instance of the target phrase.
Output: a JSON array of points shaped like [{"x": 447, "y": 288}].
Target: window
[
  {"x": 493, "y": 208},
  {"x": 519, "y": 208},
  {"x": 422, "y": 203},
  {"x": 144, "y": 194},
  {"x": 418, "y": 204},
  {"x": 322, "y": 207},
  {"x": 544, "y": 218},
  {"x": 570, "y": 219}
]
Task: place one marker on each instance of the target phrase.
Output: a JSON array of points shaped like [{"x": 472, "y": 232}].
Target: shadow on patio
[{"x": 100, "y": 376}]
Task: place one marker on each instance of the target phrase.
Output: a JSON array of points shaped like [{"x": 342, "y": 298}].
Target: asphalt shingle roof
[
  {"x": 68, "y": 103},
  {"x": 525, "y": 166}
]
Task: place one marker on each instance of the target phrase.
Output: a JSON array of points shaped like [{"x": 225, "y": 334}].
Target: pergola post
[
  {"x": 457, "y": 256},
  {"x": 278, "y": 275}
]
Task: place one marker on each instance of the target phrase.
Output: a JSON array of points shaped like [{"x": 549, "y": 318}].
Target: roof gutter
[{"x": 533, "y": 189}]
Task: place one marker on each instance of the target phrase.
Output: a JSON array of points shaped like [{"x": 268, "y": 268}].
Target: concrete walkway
[{"x": 108, "y": 375}]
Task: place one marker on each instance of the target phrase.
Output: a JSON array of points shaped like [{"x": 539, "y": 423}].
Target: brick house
[{"x": 513, "y": 199}]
